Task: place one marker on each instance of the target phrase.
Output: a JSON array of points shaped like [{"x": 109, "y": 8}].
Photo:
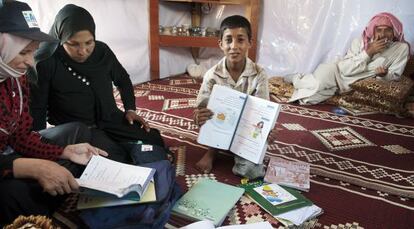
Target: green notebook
[
  {"x": 208, "y": 199},
  {"x": 280, "y": 202}
]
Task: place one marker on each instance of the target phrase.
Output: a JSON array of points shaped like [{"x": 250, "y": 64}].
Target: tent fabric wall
[{"x": 294, "y": 35}]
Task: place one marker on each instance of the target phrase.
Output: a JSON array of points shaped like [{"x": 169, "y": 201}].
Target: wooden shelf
[
  {"x": 186, "y": 41},
  {"x": 156, "y": 40}
]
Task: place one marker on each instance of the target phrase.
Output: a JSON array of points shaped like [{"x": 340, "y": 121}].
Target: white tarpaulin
[{"x": 294, "y": 35}]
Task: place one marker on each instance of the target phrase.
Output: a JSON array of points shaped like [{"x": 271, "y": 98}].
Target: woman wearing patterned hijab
[
  {"x": 32, "y": 179},
  {"x": 75, "y": 83},
  {"x": 380, "y": 52}
]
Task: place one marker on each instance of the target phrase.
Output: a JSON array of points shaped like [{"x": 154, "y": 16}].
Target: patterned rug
[
  {"x": 358, "y": 163},
  {"x": 362, "y": 172}
]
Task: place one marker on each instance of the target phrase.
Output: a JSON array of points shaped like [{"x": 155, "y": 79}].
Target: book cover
[
  {"x": 208, "y": 200},
  {"x": 274, "y": 194},
  {"x": 268, "y": 206},
  {"x": 241, "y": 123},
  {"x": 294, "y": 174},
  {"x": 103, "y": 176},
  {"x": 94, "y": 201}
]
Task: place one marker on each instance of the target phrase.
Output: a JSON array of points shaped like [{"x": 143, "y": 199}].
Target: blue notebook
[{"x": 208, "y": 200}]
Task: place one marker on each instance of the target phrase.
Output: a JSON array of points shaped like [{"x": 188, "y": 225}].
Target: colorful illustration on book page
[
  {"x": 274, "y": 194},
  {"x": 224, "y": 118},
  {"x": 257, "y": 130}
]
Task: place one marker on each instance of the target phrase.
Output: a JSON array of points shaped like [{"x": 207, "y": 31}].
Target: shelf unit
[{"x": 156, "y": 40}]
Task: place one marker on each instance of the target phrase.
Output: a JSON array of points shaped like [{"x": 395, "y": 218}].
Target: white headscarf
[{"x": 10, "y": 47}]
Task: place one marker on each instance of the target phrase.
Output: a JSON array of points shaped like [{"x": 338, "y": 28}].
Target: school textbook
[
  {"x": 277, "y": 201},
  {"x": 241, "y": 123},
  {"x": 208, "y": 200},
  {"x": 103, "y": 176},
  {"x": 95, "y": 201},
  {"x": 294, "y": 174}
]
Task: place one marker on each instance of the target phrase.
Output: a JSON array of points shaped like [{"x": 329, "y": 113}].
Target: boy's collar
[{"x": 249, "y": 70}]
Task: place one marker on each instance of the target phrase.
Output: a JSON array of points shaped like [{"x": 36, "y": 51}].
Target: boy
[{"x": 238, "y": 72}]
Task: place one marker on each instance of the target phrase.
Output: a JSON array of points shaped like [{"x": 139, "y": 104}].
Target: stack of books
[{"x": 287, "y": 205}]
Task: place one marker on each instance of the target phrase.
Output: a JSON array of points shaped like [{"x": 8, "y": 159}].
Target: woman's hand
[
  {"x": 54, "y": 178},
  {"x": 81, "y": 153},
  {"x": 201, "y": 115},
  {"x": 131, "y": 116}
]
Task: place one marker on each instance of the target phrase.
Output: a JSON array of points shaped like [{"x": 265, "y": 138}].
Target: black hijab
[{"x": 102, "y": 62}]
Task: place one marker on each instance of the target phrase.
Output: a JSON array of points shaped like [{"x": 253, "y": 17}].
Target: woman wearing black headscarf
[{"x": 75, "y": 81}]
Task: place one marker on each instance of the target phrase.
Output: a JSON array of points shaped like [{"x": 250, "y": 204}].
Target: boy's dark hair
[{"x": 235, "y": 21}]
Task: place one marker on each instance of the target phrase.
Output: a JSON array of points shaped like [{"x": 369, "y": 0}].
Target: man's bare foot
[{"x": 205, "y": 164}]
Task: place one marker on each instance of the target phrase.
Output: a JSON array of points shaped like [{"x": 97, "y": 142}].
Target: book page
[
  {"x": 257, "y": 225},
  {"x": 113, "y": 177},
  {"x": 226, "y": 104},
  {"x": 258, "y": 118},
  {"x": 203, "y": 224}
]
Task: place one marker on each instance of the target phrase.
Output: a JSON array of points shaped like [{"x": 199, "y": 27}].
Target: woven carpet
[{"x": 362, "y": 167}]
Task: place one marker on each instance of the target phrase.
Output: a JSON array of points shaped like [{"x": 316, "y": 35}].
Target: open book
[
  {"x": 93, "y": 201},
  {"x": 241, "y": 123},
  {"x": 103, "y": 176}
]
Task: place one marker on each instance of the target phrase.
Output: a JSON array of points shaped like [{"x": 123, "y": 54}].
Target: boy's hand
[{"x": 201, "y": 115}]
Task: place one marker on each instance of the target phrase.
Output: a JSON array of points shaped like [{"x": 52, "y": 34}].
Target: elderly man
[{"x": 381, "y": 52}]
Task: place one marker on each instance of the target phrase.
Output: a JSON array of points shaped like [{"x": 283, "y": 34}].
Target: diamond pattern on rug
[
  {"x": 294, "y": 126},
  {"x": 341, "y": 138},
  {"x": 155, "y": 97},
  {"x": 182, "y": 81},
  {"x": 179, "y": 152},
  {"x": 171, "y": 104},
  {"x": 141, "y": 93},
  {"x": 397, "y": 149},
  {"x": 247, "y": 211},
  {"x": 193, "y": 178},
  {"x": 353, "y": 225}
]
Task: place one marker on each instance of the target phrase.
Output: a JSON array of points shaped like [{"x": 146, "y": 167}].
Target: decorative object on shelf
[
  {"x": 167, "y": 30},
  {"x": 174, "y": 31},
  {"x": 195, "y": 31}
]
